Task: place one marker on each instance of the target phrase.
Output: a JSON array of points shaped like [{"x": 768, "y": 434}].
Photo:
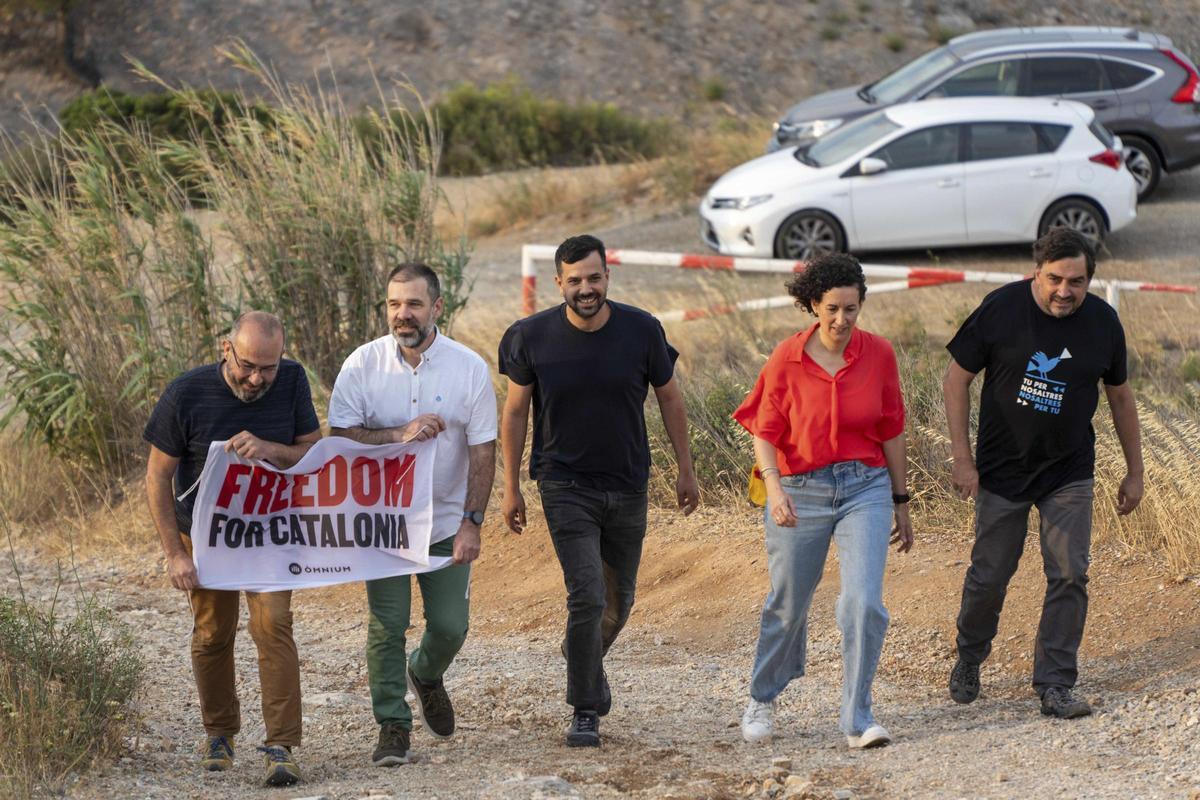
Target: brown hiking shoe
[
  {"x": 433, "y": 706},
  {"x": 392, "y": 749}
]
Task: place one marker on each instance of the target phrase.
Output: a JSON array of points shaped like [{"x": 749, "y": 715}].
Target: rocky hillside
[{"x": 655, "y": 56}]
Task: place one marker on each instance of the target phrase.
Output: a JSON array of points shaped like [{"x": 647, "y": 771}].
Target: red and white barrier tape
[{"x": 910, "y": 277}]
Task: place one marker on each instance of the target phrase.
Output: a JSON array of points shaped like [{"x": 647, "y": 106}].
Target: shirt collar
[
  {"x": 852, "y": 352},
  {"x": 430, "y": 354}
]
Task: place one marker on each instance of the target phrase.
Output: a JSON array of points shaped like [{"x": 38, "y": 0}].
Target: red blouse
[{"x": 815, "y": 419}]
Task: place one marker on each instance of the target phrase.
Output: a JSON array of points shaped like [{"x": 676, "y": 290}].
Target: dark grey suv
[{"x": 1142, "y": 88}]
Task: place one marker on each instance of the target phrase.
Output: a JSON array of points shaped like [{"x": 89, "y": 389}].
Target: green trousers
[{"x": 444, "y": 595}]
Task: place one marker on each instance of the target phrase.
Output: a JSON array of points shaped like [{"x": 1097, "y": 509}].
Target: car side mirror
[{"x": 872, "y": 166}]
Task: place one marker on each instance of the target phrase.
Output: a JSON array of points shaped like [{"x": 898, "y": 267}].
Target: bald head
[{"x": 252, "y": 354}]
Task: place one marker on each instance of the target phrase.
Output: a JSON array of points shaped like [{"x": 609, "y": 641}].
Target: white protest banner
[{"x": 346, "y": 512}]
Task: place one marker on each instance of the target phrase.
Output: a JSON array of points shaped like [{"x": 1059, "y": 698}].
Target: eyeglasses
[{"x": 267, "y": 373}]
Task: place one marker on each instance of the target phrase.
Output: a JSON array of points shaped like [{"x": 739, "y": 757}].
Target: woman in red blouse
[{"x": 828, "y": 424}]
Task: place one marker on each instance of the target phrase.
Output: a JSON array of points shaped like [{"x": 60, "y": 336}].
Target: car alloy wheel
[
  {"x": 1078, "y": 215},
  {"x": 808, "y": 234},
  {"x": 1142, "y": 160}
]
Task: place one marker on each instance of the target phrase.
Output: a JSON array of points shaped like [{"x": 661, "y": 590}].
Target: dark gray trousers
[
  {"x": 598, "y": 538},
  {"x": 1066, "y": 535}
]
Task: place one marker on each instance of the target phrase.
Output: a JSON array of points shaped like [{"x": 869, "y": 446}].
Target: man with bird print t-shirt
[{"x": 1043, "y": 345}]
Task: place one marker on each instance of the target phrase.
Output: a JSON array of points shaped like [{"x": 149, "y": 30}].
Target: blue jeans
[{"x": 851, "y": 504}]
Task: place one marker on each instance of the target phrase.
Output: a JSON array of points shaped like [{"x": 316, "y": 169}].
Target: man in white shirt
[{"x": 411, "y": 385}]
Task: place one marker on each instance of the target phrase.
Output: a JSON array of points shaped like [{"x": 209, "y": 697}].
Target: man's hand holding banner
[{"x": 345, "y": 512}]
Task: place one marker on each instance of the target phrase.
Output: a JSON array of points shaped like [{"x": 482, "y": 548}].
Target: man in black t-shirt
[
  {"x": 586, "y": 366},
  {"x": 259, "y": 402},
  {"x": 1043, "y": 345}
]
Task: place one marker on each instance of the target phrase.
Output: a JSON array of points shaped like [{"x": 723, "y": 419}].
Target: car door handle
[
  {"x": 1040, "y": 173},
  {"x": 947, "y": 183}
]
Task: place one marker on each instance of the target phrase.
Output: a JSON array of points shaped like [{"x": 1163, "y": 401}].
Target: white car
[{"x": 927, "y": 174}]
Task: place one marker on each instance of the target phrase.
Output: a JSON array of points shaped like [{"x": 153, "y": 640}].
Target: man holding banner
[
  {"x": 416, "y": 385},
  {"x": 260, "y": 404}
]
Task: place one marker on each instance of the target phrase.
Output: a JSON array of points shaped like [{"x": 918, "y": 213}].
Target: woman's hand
[
  {"x": 902, "y": 532},
  {"x": 783, "y": 513}
]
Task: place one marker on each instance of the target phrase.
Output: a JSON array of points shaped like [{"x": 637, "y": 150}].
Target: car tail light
[
  {"x": 1189, "y": 92},
  {"x": 1109, "y": 158}
]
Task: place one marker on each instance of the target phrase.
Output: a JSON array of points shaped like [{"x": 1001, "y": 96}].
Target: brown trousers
[{"x": 215, "y": 620}]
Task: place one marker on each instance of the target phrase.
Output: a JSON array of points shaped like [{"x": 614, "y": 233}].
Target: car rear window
[
  {"x": 1101, "y": 133},
  {"x": 1122, "y": 74},
  {"x": 1055, "y": 75}
]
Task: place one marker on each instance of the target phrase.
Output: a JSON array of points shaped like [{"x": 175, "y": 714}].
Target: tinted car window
[
  {"x": 1122, "y": 74},
  {"x": 995, "y": 78},
  {"x": 1065, "y": 75},
  {"x": 925, "y": 148},
  {"x": 1052, "y": 136},
  {"x": 1002, "y": 140}
]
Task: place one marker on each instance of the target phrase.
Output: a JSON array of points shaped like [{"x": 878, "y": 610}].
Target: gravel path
[{"x": 679, "y": 680}]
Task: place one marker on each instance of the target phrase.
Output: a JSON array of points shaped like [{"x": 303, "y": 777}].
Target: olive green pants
[{"x": 389, "y": 602}]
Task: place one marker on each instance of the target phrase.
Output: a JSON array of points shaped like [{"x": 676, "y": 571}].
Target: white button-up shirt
[{"x": 377, "y": 388}]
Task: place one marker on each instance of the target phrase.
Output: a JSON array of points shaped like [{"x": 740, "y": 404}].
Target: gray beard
[{"x": 414, "y": 339}]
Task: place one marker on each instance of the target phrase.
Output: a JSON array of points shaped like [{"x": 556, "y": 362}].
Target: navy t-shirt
[
  {"x": 1040, "y": 388},
  {"x": 198, "y": 408},
  {"x": 589, "y": 393}
]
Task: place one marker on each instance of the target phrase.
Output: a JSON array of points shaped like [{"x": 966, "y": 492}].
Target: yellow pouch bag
[{"x": 756, "y": 491}]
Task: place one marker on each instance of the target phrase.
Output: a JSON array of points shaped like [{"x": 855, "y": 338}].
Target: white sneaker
[
  {"x": 874, "y": 736},
  {"x": 758, "y": 722}
]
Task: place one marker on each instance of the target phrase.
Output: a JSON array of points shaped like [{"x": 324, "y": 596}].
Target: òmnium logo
[{"x": 296, "y": 569}]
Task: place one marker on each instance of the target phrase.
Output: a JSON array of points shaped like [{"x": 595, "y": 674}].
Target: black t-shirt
[
  {"x": 1040, "y": 388},
  {"x": 589, "y": 393},
  {"x": 198, "y": 408}
]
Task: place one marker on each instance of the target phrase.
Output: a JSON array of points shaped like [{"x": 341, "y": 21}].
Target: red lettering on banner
[
  {"x": 365, "y": 484},
  {"x": 280, "y": 501},
  {"x": 229, "y": 487},
  {"x": 332, "y": 482},
  {"x": 398, "y": 480},
  {"x": 258, "y": 493},
  {"x": 299, "y": 498}
]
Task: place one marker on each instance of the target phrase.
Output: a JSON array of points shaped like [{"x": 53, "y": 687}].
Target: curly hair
[{"x": 830, "y": 271}]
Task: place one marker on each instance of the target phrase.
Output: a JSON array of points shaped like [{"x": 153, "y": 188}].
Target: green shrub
[
  {"x": 895, "y": 42},
  {"x": 505, "y": 125},
  {"x": 713, "y": 90},
  {"x": 66, "y": 682},
  {"x": 831, "y": 33}
]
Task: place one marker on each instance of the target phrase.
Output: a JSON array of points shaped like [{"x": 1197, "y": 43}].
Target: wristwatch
[
  {"x": 474, "y": 516},
  {"x": 900, "y": 499}
]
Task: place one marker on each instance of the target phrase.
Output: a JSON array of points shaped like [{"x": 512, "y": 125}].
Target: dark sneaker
[
  {"x": 1057, "y": 701},
  {"x": 433, "y": 706},
  {"x": 281, "y": 769},
  {"x": 584, "y": 730},
  {"x": 964, "y": 682},
  {"x": 392, "y": 749},
  {"x": 219, "y": 755}
]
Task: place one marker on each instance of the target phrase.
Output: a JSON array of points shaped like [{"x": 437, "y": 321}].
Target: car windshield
[
  {"x": 843, "y": 142},
  {"x": 894, "y": 87}
]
